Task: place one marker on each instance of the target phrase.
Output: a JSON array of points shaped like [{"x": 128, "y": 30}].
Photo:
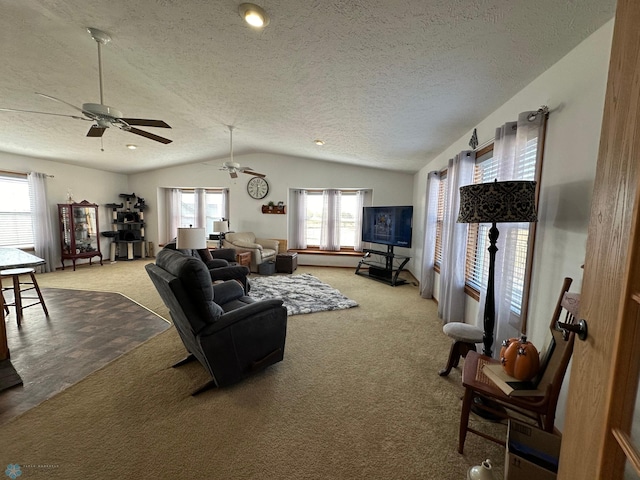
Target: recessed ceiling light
[
  {"x": 253, "y": 15},
  {"x": 319, "y": 142},
  {"x": 131, "y": 146}
]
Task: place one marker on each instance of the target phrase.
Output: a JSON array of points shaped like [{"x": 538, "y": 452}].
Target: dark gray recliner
[
  {"x": 221, "y": 263},
  {"x": 230, "y": 334}
]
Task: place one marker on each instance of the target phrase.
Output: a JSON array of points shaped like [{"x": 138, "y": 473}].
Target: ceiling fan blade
[
  {"x": 45, "y": 113},
  {"x": 148, "y": 135},
  {"x": 96, "y": 131},
  {"x": 255, "y": 174},
  {"x": 66, "y": 103},
  {"x": 141, "y": 122},
  {"x": 233, "y": 174}
]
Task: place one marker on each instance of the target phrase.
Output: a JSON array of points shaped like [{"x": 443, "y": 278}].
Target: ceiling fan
[
  {"x": 232, "y": 167},
  {"x": 100, "y": 114}
]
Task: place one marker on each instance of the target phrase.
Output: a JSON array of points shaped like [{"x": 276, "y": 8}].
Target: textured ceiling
[{"x": 385, "y": 83}]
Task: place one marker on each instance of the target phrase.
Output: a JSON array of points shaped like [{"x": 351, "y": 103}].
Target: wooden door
[{"x": 605, "y": 367}]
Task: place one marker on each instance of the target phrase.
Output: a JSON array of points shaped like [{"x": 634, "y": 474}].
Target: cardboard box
[{"x": 531, "y": 454}]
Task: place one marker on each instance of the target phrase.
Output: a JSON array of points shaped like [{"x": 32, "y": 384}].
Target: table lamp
[
  {"x": 496, "y": 202},
  {"x": 221, "y": 227},
  {"x": 191, "y": 239}
]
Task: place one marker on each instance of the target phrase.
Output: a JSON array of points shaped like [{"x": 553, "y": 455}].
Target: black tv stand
[{"x": 382, "y": 266}]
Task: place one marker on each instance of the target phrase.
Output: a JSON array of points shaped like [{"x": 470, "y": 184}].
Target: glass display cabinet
[{"x": 79, "y": 234}]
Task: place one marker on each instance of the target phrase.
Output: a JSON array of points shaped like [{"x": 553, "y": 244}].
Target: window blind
[
  {"x": 15, "y": 212},
  {"x": 442, "y": 195}
]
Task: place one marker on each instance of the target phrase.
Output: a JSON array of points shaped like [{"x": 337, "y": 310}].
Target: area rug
[{"x": 300, "y": 293}]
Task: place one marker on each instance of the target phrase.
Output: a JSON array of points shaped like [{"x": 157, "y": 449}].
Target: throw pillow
[{"x": 205, "y": 255}]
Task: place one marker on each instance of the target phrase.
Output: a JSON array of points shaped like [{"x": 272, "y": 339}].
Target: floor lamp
[{"x": 496, "y": 202}]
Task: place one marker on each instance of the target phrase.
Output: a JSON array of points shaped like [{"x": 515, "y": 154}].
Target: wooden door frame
[{"x": 604, "y": 374}]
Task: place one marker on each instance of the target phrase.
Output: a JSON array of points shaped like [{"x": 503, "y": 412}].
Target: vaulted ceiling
[{"x": 385, "y": 83}]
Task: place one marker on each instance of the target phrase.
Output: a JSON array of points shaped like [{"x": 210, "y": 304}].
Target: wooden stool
[
  {"x": 464, "y": 337},
  {"x": 15, "y": 273}
]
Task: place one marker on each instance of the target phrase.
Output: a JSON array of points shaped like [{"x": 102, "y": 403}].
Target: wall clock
[{"x": 257, "y": 188}]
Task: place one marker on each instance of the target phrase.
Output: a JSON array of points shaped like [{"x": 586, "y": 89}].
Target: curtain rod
[
  {"x": 543, "y": 110},
  {"x": 10, "y": 172}
]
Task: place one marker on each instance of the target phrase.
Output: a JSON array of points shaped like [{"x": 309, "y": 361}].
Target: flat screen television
[{"x": 391, "y": 226}]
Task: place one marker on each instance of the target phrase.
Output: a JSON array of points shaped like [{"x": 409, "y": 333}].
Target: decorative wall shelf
[{"x": 275, "y": 210}]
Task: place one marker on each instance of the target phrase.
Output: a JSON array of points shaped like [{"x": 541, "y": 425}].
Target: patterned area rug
[{"x": 300, "y": 293}]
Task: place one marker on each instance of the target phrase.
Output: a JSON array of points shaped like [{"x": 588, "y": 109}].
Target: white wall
[
  {"x": 95, "y": 186},
  {"x": 574, "y": 90},
  {"x": 283, "y": 173}
]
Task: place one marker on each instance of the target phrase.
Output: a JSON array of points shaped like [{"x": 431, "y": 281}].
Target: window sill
[
  {"x": 315, "y": 251},
  {"x": 472, "y": 292}
]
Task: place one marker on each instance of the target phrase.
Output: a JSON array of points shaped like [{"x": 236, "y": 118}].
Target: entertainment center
[
  {"x": 391, "y": 226},
  {"x": 383, "y": 266}
]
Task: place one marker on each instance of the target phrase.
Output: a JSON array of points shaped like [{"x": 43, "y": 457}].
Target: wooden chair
[{"x": 539, "y": 410}]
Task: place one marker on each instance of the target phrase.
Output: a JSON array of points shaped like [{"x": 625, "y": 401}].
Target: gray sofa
[{"x": 230, "y": 334}]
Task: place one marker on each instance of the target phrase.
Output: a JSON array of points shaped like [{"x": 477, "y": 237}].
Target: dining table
[{"x": 13, "y": 258}]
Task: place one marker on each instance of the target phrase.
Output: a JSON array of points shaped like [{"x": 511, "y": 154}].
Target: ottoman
[{"x": 286, "y": 262}]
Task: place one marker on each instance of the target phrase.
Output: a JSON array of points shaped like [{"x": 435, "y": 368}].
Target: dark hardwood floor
[{"x": 85, "y": 331}]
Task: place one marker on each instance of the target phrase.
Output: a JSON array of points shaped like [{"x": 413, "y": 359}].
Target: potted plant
[{"x": 271, "y": 205}]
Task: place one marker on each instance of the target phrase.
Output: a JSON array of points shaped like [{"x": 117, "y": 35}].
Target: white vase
[{"x": 481, "y": 472}]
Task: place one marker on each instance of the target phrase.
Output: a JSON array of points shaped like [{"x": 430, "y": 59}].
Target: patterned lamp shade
[{"x": 498, "y": 202}]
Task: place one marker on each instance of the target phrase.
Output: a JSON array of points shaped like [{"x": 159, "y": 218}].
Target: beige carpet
[{"x": 357, "y": 397}]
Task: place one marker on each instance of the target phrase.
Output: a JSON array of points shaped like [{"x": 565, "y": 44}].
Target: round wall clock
[{"x": 257, "y": 188}]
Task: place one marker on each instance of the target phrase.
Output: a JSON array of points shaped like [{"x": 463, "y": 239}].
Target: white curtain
[
  {"x": 514, "y": 145},
  {"x": 173, "y": 213},
  {"x": 429, "y": 248},
  {"x": 298, "y": 238},
  {"x": 200, "y": 208},
  {"x": 360, "y": 196},
  {"x": 451, "y": 306},
  {"x": 41, "y": 220},
  {"x": 330, "y": 228},
  {"x": 225, "y": 206}
]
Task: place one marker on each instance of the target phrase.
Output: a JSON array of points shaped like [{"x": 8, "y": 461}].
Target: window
[
  {"x": 214, "y": 207},
  {"x": 348, "y": 224},
  {"x": 15, "y": 211},
  {"x": 477, "y": 263},
  {"x": 442, "y": 195}
]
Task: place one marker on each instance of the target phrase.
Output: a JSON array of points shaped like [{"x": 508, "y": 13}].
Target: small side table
[{"x": 244, "y": 258}]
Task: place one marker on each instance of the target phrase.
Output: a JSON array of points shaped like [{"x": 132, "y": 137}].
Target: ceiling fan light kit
[{"x": 253, "y": 15}]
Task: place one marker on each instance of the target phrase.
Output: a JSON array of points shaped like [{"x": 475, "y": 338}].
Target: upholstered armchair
[
  {"x": 221, "y": 264},
  {"x": 230, "y": 334},
  {"x": 262, "y": 249}
]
